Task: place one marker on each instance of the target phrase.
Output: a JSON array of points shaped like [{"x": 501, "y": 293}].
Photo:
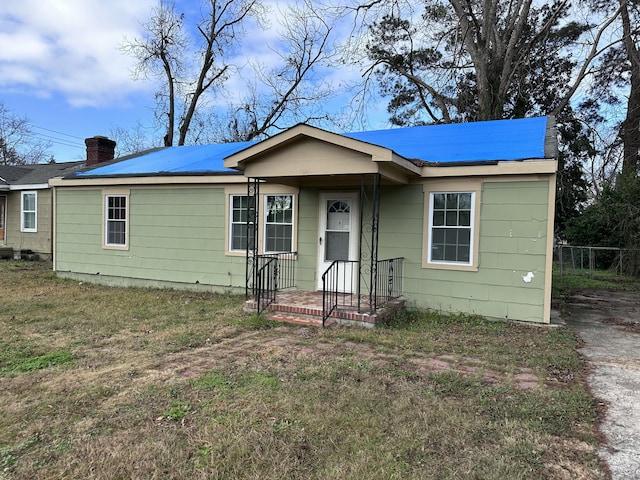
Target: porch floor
[{"x": 305, "y": 308}]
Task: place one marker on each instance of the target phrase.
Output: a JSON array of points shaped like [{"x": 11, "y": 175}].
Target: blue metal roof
[
  {"x": 464, "y": 142},
  {"x": 449, "y": 143}
]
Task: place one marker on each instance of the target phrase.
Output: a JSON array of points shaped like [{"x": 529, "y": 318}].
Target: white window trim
[
  {"x": 231, "y": 223},
  {"x": 23, "y": 211},
  {"x": 105, "y": 223},
  {"x": 472, "y": 227},
  {"x": 266, "y": 213},
  {"x": 241, "y": 190},
  {"x": 457, "y": 185}
]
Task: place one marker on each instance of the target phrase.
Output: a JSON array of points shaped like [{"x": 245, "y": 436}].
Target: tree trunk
[{"x": 631, "y": 123}]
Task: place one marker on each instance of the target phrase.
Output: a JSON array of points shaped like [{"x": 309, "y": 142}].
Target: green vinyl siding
[
  {"x": 307, "y": 262},
  {"x": 512, "y": 243},
  {"x": 175, "y": 235}
]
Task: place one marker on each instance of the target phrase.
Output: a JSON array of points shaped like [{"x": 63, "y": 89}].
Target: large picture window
[
  {"x": 29, "y": 212},
  {"x": 451, "y": 224},
  {"x": 278, "y": 225},
  {"x": 116, "y": 220}
]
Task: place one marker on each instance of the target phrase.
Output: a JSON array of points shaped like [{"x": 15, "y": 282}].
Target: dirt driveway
[{"x": 608, "y": 322}]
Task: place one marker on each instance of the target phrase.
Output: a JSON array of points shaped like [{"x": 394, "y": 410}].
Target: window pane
[
  {"x": 278, "y": 223},
  {"x": 450, "y": 253},
  {"x": 438, "y": 235},
  {"x": 278, "y": 238},
  {"x": 452, "y": 218},
  {"x": 239, "y": 237},
  {"x": 438, "y": 201},
  {"x": 465, "y": 218},
  {"x": 438, "y": 219},
  {"x": 452, "y": 201},
  {"x": 30, "y": 220},
  {"x": 465, "y": 201},
  {"x": 464, "y": 236},
  {"x": 116, "y": 233},
  {"x": 437, "y": 252},
  {"x": 29, "y": 201},
  {"x": 450, "y": 236},
  {"x": 463, "y": 254},
  {"x": 337, "y": 246}
]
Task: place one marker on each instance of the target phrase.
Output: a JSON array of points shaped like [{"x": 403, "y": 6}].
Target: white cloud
[{"x": 71, "y": 47}]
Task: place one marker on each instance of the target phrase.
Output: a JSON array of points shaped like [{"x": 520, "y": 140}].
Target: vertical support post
[
  {"x": 253, "y": 209},
  {"x": 360, "y": 242},
  {"x": 375, "y": 221}
]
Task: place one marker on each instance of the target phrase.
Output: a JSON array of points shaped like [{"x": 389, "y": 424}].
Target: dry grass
[{"x": 108, "y": 383}]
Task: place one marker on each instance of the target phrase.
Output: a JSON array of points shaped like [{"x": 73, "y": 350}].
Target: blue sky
[{"x": 60, "y": 66}]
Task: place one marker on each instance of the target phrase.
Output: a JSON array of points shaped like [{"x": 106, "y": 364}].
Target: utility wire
[{"x": 55, "y": 131}]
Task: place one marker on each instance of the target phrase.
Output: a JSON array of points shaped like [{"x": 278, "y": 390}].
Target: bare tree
[
  {"x": 159, "y": 54},
  {"x": 18, "y": 145},
  {"x": 133, "y": 140},
  {"x": 292, "y": 91},
  {"x": 165, "y": 52}
]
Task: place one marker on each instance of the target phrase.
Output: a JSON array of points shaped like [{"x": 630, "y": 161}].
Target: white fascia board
[{"x": 33, "y": 186}]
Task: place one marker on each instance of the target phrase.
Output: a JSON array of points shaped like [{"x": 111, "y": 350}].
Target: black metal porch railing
[
  {"x": 266, "y": 284},
  {"x": 389, "y": 275},
  {"x": 337, "y": 286},
  {"x": 338, "y": 282},
  {"x": 276, "y": 271}
]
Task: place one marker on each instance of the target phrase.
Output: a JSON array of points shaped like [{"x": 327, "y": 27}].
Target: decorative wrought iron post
[
  {"x": 253, "y": 209},
  {"x": 375, "y": 222},
  {"x": 368, "y": 249}
]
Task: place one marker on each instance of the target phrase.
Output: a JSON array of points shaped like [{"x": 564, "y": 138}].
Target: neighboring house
[
  {"x": 26, "y": 208},
  {"x": 455, "y": 217}
]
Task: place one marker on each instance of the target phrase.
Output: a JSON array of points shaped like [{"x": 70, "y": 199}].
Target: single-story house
[
  {"x": 26, "y": 208},
  {"x": 455, "y": 217}
]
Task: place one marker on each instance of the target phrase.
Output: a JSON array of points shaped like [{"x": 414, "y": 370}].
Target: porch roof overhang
[{"x": 305, "y": 154}]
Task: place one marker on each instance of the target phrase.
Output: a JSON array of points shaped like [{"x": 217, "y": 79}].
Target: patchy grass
[
  {"x": 599, "y": 280},
  {"x": 107, "y": 383}
]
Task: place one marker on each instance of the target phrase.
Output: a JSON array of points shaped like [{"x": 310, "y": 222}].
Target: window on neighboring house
[
  {"x": 278, "y": 225},
  {"x": 451, "y": 223},
  {"x": 238, "y": 215},
  {"x": 116, "y": 220},
  {"x": 29, "y": 212}
]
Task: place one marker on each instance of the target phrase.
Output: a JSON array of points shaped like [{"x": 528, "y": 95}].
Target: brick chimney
[{"x": 99, "y": 149}]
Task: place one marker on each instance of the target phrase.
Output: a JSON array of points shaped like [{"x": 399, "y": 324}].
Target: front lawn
[{"x": 107, "y": 383}]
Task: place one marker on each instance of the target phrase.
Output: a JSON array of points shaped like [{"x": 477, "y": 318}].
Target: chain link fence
[{"x": 577, "y": 260}]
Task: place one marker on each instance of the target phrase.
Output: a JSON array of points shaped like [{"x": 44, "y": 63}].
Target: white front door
[{"x": 338, "y": 236}]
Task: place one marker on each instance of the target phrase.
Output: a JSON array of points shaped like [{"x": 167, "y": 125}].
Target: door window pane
[
  {"x": 337, "y": 230},
  {"x": 337, "y": 246}
]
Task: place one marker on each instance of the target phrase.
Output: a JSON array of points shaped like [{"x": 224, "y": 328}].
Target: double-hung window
[
  {"x": 278, "y": 224},
  {"x": 29, "y": 212},
  {"x": 275, "y": 228},
  {"x": 116, "y": 216},
  {"x": 238, "y": 232},
  {"x": 451, "y": 224}
]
